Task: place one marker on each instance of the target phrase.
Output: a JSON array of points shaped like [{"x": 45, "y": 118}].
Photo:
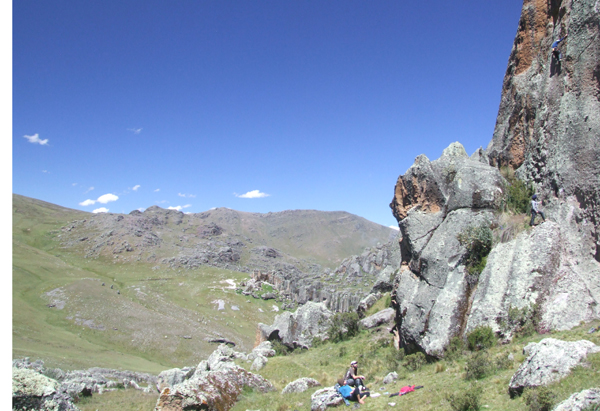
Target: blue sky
[{"x": 253, "y": 105}]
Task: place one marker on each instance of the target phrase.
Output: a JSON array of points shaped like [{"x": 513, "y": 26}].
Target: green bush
[
  {"x": 280, "y": 348},
  {"x": 517, "y": 193},
  {"x": 478, "y": 242},
  {"x": 343, "y": 327},
  {"x": 503, "y": 362},
  {"x": 468, "y": 400},
  {"x": 478, "y": 366},
  {"x": 521, "y": 322},
  {"x": 481, "y": 338},
  {"x": 393, "y": 358},
  {"x": 415, "y": 361},
  {"x": 539, "y": 398},
  {"x": 454, "y": 349}
]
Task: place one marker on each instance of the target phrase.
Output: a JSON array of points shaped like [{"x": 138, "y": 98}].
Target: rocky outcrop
[
  {"x": 300, "y": 385},
  {"x": 215, "y": 385},
  {"x": 298, "y": 329},
  {"x": 432, "y": 289},
  {"x": 580, "y": 401},
  {"x": 549, "y": 361},
  {"x": 548, "y": 124}
]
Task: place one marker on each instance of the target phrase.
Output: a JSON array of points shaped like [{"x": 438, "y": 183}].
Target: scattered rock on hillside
[
  {"x": 326, "y": 397},
  {"x": 300, "y": 385},
  {"x": 580, "y": 401},
  {"x": 549, "y": 361},
  {"x": 311, "y": 320},
  {"x": 390, "y": 378},
  {"x": 385, "y": 316},
  {"x": 367, "y": 302},
  {"x": 174, "y": 376},
  {"x": 215, "y": 386}
]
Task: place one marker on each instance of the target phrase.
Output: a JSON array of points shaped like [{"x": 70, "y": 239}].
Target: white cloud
[
  {"x": 135, "y": 130},
  {"x": 186, "y": 195},
  {"x": 252, "y": 194},
  {"x": 395, "y": 227},
  {"x": 101, "y": 210},
  {"x": 44, "y": 171},
  {"x": 157, "y": 190},
  {"x": 141, "y": 210},
  {"x": 136, "y": 187},
  {"x": 35, "y": 139},
  {"x": 74, "y": 184},
  {"x": 107, "y": 198},
  {"x": 179, "y": 208},
  {"x": 88, "y": 190}
]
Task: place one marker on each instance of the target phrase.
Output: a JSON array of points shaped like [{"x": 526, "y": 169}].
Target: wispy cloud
[
  {"x": 157, "y": 190},
  {"x": 35, "y": 139},
  {"x": 179, "y": 208},
  {"x": 100, "y": 210},
  {"x": 186, "y": 195},
  {"x": 135, "y": 130},
  {"x": 395, "y": 227},
  {"x": 252, "y": 194},
  {"x": 103, "y": 199},
  {"x": 135, "y": 188},
  {"x": 88, "y": 190},
  {"x": 45, "y": 171}
]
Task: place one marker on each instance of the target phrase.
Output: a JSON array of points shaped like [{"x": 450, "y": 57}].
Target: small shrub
[
  {"x": 415, "y": 361},
  {"x": 478, "y": 366},
  {"x": 343, "y": 327},
  {"x": 503, "y": 362},
  {"x": 454, "y": 349},
  {"x": 480, "y": 338},
  {"x": 280, "y": 348},
  {"x": 539, "y": 398},
  {"x": 517, "y": 193},
  {"x": 440, "y": 367},
  {"x": 522, "y": 322},
  {"x": 388, "y": 300},
  {"x": 478, "y": 242},
  {"x": 468, "y": 400},
  {"x": 342, "y": 352},
  {"x": 393, "y": 358}
]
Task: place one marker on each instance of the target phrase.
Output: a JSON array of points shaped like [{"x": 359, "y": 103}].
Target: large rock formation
[
  {"x": 548, "y": 125},
  {"x": 298, "y": 329},
  {"x": 547, "y": 130}
]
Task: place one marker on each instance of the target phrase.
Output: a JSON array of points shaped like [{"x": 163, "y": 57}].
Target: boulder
[
  {"x": 300, "y": 385},
  {"x": 34, "y": 391},
  {"x": 326, "y": 397},
  {"x": 580, "y": 401},
  {"x": 215, "y": 386},
  {"x": 169, "y": 378},
  {"x": 549, "y": 361},
  {"x": 390, "y": 378},
  {"x": 367, "y": 302},
  {"x": 264, "y": 349},
  {"x": 298, "y": 329},
  {"x": 385, "y": 316},
  {"x": 258, "y": 363}
]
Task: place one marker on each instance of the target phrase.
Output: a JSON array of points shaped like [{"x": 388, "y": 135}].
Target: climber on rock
[
  {"x": 535, "y": 209},
  {"x": 555, "y": 51}
]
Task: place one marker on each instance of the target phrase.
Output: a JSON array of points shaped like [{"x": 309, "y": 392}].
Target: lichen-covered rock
[
  {"x": 169, "y": 378},
  {"x": 258, "y": 363},
  {"x": 298, "y": 329},
  {"x": 549, "y": 361},
  {"x": 34, "y": 391},
  {"x": 326, "y": 397},
  {"x": 215, "y": 385},
  {"x": 385, "y": 316},
  {"x": 300, "y": 385},
  {"x": 580, "y": 401}
]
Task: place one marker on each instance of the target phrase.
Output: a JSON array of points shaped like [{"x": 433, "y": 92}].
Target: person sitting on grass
[
  {"x": 352, "y": 377},
  {"x": 352, "y": 394}
]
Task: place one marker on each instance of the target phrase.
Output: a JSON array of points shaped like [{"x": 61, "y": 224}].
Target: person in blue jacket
[
  {"x": 555, "y": 51},
  {"x": 535, "y": 209},
  {"x": 352, "y": 393}
]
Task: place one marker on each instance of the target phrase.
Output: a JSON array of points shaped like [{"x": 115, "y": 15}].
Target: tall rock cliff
[
  {"x": 548, "y": 125},
  {"x": 547, "y": 130}
]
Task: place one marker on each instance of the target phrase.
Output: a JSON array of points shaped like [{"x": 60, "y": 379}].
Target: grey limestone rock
[
  {"x": 298, "y": 329},
  {"x": 580, "y": 401},
  {"x": 169, "y": 378},
  {"x": 34, "y": 391},
  {"x": 549, "y": 361},
  {"x": 385, "y": 316},
  {"x": 323, "y": 398},
  {"x": 300, "y": 385},
  {"x": 390, "y": 378}
]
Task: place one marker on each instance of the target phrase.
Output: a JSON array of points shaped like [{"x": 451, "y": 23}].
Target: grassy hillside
[{"x": 79, "y": 301}]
